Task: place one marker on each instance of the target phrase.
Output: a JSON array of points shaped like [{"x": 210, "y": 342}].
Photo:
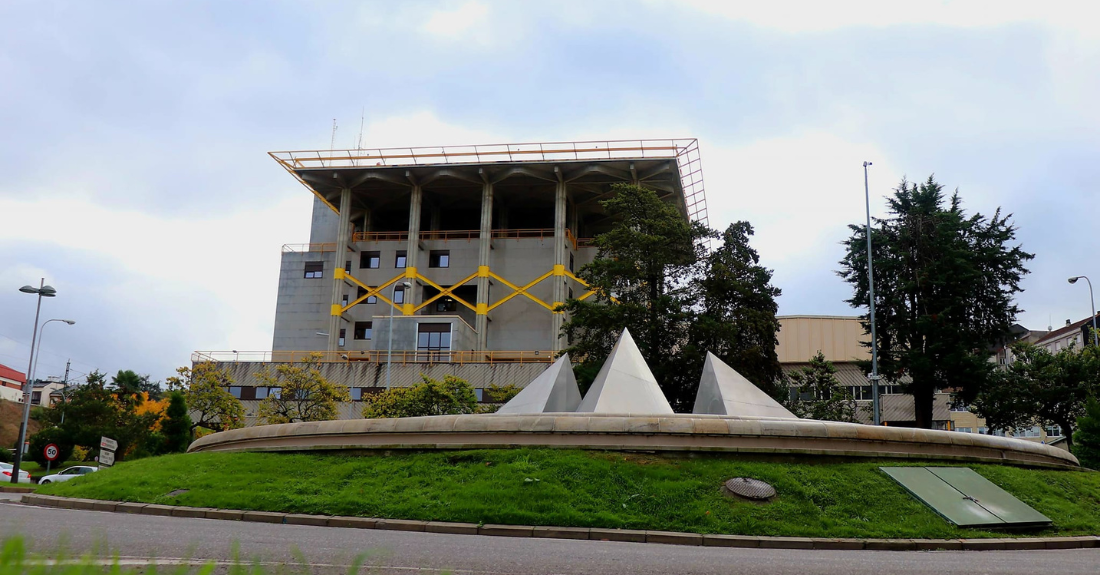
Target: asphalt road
[{"x": 137, "y": 538}]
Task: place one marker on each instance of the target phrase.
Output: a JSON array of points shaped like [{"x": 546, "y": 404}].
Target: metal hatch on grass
[{"x": 965, "y": 498}]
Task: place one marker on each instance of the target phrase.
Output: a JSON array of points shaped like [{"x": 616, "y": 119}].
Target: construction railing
[
  {"x": 303, "y": 248},
  {"x": 402, "y": 357},
  {"x": 468, "y": 235}
]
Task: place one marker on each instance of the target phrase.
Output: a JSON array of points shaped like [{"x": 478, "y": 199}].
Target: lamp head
[
  {"x": 47, "y": 291},
  {"x": 406, "y": 285},
  {"x": 1074, "y": 279},
  {"x": 28, "y": 289},
  {"x": 69, "y": 321}
]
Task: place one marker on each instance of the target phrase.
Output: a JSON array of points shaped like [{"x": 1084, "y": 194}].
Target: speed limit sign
[{"x": 52, "y": 452}]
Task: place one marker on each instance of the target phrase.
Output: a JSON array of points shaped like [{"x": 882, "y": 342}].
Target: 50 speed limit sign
[{"x": 52, "y": 452}]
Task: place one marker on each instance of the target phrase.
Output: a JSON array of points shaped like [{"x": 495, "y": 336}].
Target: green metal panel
[
  {"x": 942, "y": 497},
  {"x": 1012, "y": 511}
]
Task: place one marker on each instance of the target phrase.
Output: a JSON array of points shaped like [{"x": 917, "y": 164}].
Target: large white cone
[
  {"x": 723, "y": 391},
  {"x": 554, "y": 390},
  {"x": 625, "y": 384}
]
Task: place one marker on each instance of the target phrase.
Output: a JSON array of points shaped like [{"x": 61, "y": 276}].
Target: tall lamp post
[
  {"x": 1095, "y": 337},
  {"x": 871, "y": 285},
  {"x": 42, "y": 290},
  {"x": 389, "y": 349}
]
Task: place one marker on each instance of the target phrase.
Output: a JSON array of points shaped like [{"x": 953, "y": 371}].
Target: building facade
[{"x": 11, "y": 384}]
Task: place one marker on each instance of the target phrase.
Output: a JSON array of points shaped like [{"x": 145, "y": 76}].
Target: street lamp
[
  {"x": 42, "y": 290},
  {"x": 1095, "y": 337},
  {"x": 876, "y": 404},
  {"x": 389, "y": 351},
  {"x": 42, "y": 332}
]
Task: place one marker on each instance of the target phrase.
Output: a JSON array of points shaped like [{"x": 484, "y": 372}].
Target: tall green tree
[
  {"x": 820, "y": 393},
  {"x": 177, "y": 424},
  {"x": 1086, "y": 440},
  {"x": 97, "y": 409},
  {"x": 654, "y": 276},
  {"x": 944, "y": 287}
]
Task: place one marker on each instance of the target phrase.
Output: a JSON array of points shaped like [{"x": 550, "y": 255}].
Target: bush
[
  {"x": 80, "y": 454},
  {"x": 6, "y": 455},
  {"x": 1086, "y": 440},
  {"x": 45, "y": 437},
  {"x": 176, "y": 425},
  {"x": 429, "y": 397}
]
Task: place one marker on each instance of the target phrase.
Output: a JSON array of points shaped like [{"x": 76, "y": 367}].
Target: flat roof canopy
[{"x": 379, "y": 176}]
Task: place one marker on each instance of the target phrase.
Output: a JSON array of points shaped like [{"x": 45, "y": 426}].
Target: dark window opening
[
  {"x": 315, "y": 269},
  {"x": 347, "y": 266},
  {"x": 439, "y": 259},
  {"x": 445, "y": 304},
  {"x": 363, "y": 329},
  {"x": 370, "y": 260},
  {"x": 401, "y": 259},
  {"x": 571, "y": 263},
  {"x": 248, "y": 392},
  {"x": 343, "y": 333},
  {"x": 360, "y": 292}
]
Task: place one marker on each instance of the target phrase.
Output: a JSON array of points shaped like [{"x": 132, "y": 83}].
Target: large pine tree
[
  {"x": 654, "y": 276},
  {"x": 944, "y": 287}
]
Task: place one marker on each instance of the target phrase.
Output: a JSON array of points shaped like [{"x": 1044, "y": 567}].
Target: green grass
[{"x": 581, "y": 488}]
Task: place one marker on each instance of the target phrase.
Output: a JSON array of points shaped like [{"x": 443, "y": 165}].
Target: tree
[
  {"x": 944, "y": 286},
  {"x": 820, "y": 393},
  {"x": 49, "y": 435},
  {"x": 95, "y": 410},
  {"x": 1041, "y": 387},
  {"x": 737, "y": 322},
  {"x": 177, "y": 424},
  {"x": 452, "y": 396},
  {"x": 206, "y": 392},
  {"x": 653, "y": 275},
  {"x": 1087, "y": 437},
  {"x": 304, "y": 394}
]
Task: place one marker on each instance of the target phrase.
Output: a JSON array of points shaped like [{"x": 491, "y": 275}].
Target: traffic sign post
[
  {"x": 107, "y": 447},
  {"x": 51, "y": 452}
]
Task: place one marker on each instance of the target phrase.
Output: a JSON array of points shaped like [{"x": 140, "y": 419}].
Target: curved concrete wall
[{"x": 680, "y": 432}]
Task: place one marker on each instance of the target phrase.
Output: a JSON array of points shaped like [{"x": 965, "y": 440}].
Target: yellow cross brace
[
  {"x": 445, "y": 291},
  {"x": 521, "y": 290}
]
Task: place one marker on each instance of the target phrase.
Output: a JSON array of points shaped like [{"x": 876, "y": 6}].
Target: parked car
[
  {"x": 5, "y": 474},
  {"x": 68, "y": 474}
]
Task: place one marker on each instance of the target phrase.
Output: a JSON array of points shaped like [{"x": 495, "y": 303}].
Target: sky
[{"x": 134, "y": 136}]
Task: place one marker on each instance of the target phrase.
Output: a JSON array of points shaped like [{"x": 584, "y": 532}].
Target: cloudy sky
[{"x": 133, "y": 136}]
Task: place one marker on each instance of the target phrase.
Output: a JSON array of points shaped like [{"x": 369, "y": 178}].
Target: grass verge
[{"x": 581, "y": 489}]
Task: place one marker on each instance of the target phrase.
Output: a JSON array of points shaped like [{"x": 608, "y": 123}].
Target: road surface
[{"x": 137, "y": 538}]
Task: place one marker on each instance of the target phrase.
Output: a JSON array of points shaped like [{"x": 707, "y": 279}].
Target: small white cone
[
  {"x": 553, "y": 391},
  {"x": 723, "y": 391}
]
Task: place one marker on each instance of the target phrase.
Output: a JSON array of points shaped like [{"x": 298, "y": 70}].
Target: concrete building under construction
[{"x": 463, "y": 252}]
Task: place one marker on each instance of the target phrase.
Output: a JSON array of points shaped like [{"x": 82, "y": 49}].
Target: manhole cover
[{"x": 748, "y": 488}]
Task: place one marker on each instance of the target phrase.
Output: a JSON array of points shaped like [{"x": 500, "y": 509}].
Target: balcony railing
[
  {"x": 468, "y": 235},
  {"x": 403, "y": 357},
  {"x": 303, "y": 248}
]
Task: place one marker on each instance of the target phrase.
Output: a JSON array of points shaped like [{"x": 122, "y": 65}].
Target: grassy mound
[{"x": 581, "y": 488}]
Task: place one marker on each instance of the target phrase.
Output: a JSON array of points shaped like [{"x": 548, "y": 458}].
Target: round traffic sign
[{"x": 52, "y": 452}]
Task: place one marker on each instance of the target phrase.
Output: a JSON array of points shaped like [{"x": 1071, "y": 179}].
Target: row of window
[
  {"x": 246, "y": 392},
  {"x": 857, "y": 391},
  {"x": 373, "y": 260}
]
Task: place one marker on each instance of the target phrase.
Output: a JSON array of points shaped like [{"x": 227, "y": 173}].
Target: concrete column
[
  {"x": 343, "y": 233},
  {"x": 560, "y": 255},
  {"x": 412, "y": 252},
  {"x": 485, "y": 246},
  {"x": 366, "y": 219}
]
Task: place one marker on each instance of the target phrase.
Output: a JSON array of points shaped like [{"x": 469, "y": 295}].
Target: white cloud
[
  {"x": 811, "y": 16},
  {"x": 424, "y": 128},
  {"x": 464, "y": 22}
]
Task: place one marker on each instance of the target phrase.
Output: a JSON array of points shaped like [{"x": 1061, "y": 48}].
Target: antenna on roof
[
  {"x": 362, "y": 117},
  {"x": 332, "y": 143},
  {"x": 1050, "y": 318}
]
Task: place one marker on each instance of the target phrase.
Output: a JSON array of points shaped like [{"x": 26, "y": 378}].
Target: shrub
[
  {"x": 429, "y": 397},
  {"x": 1086, "y": 440},
  {"x": 176, "y": 425},
  {"x": 80, "y": 454},
  {"x": 45, "y": 437}
]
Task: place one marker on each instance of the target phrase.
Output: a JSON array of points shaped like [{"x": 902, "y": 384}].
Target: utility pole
[
  {"x": 65, "y": 389},
  {"x": 871, "y": 285}
]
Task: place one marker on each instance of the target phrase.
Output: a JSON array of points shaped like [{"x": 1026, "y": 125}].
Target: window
[
  {"x": 314, "y": 269},
  {"x": 439, "y": 259},
  {"x": 401, "y": 259},
  {"x": 344, "y": 301},
  {"x": 235, "y": 391},
  {"x": 36, "y": 397},
  {"x": 570, "y": 293},
  {"x": 343, "y": 333},
  {"x": 965, "y": 429},
  {"x": 363, "y": 329},
  {"x": 276, "y": 392},
  {"x": 248, "y": 392},
  {"x": 433, "y": 338},
  {"x": 261, "y": 393},
  {"x": 357, "y": 394},
  {"x": 362, "y": 292},
  {"x": 347, "y": 266},
  {"x": 370, "y": 260},
  {"x": 445, "y": 304},
  {"x": 983, "y": 430},
  {"x": 571, "y": 262},
  {"x": 480, "y": 394},
  {"x": 399, "y": 295}
]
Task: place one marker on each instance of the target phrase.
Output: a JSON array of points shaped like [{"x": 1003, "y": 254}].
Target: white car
[
  {"x": 5, "y": 474},
  {"x": 68, "y": 474}
]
